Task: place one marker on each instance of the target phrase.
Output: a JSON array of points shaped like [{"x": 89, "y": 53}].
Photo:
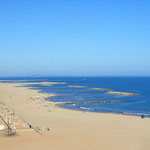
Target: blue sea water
[{"x": 135, "y": 105}]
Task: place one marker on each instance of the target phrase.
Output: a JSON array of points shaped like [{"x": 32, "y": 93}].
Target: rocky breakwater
[
  {"x": 101, "y": 89},
  {"x": 123, "y": 93},
  {"x": 52, "y": 83},
  {"x": 80, "y": 102},
  {"x": 78, "y": 86}
]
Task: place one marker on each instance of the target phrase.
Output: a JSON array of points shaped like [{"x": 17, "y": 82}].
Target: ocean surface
[{"x": 135, "y": 105}]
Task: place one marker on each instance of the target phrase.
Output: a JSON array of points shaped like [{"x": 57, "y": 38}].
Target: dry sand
[{"x": 70, "y": 130}]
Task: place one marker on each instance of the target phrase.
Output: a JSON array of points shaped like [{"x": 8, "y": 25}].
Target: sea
[{"x": 133, "y": 105}]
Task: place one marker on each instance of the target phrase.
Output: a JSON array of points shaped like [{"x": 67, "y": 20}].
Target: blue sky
[{"x": 75, "y": 37}]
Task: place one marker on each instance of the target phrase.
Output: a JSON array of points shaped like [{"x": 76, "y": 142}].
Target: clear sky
[{"x": 75, "y": 37}]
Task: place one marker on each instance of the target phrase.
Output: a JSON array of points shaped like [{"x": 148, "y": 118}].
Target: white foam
[{"x": 85, "y": 108}]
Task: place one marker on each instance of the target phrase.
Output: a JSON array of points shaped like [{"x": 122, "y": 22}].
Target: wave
[{"x": 86, "y": 108}]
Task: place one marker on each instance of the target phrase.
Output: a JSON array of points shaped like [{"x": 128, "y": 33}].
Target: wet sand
[{"x": 68, "y": 129}]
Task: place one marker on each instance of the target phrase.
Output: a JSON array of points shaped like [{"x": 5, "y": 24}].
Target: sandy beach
[{"x": 65, "y": 129}]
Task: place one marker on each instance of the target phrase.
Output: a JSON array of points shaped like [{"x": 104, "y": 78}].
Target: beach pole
[{"x": 8, "y": 122}]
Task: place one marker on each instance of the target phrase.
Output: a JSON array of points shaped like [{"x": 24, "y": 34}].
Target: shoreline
[
  {"x": 59, "y": 105},
  {"x": 69, "y": 128},
  {"x": 133, "y": 115}
]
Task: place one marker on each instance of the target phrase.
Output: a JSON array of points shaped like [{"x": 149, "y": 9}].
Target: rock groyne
[
  {"x": 80, "y": 102},
  {"x": 101, "y": 89},
  {"x": 123, "y": 93},
  {"x": 78, "y": 86}
]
